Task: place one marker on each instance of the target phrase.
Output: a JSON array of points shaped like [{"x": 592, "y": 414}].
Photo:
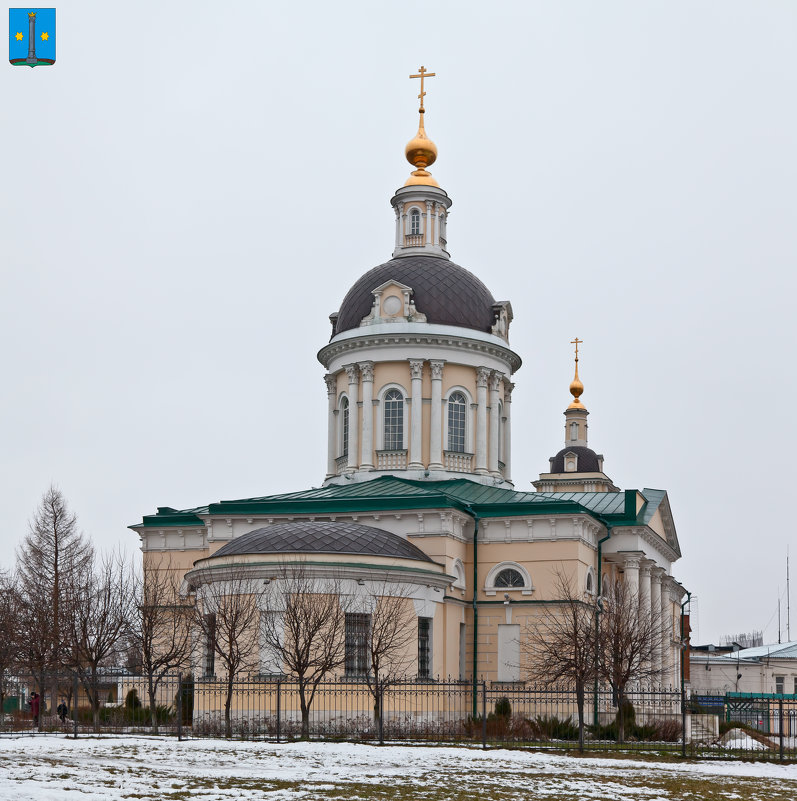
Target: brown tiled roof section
[
  {"x": 445, "y": 292},
  {"x": 323, "y": 537},
  {"x": 587, "y": 460}
]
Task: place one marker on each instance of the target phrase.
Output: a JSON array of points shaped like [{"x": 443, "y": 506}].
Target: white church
[{"x": 418, "y": 483}]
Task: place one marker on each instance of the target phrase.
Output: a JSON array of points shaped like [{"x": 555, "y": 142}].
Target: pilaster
[
  {"x": 416, "y": 427},
  {"x": 332, "y": 397},
  {"x": 367, "y": 376},
  {"x": 436, "y": 433},
  {"x": 482, "y": 376},
  {"x": 354, "y": 420}
]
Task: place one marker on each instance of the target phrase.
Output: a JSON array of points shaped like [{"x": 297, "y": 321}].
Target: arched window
[
  {"x": 393, "y": 420},
  {"x": 456, "y": 422},
  {"x": 509, "y": 577},
  {"x": 500, "y": 431},
  {"x": 344, "y": 427},
  {"x": 415, "y": 222},
  {"x": 590, "y": 587},
  {"x": 573, "y": 432}
]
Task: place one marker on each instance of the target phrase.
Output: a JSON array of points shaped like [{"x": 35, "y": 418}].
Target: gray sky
[{"x": 191, "y": 189}]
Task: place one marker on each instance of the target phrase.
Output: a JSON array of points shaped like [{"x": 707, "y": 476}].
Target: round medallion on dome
[{"x": 443, "y": 291}]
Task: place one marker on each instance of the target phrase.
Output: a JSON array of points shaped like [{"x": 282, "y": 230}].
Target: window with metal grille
[
  {"x": 394, "y": 420},
  {"x": 509, "y": 577},
  {"x": 424, "y": 647},
  {"x": 210, "y": 650},
  {"x": 344, "y": 410},
  {"x": 415, "y": 222},
  {"x": 357, "y": 644},
  {"x": 456, "y": 422}
]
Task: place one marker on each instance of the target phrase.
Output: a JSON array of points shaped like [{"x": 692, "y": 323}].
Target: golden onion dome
[
  {"x": 576, "y": 389},
  {"x": 421, "y": 152}
]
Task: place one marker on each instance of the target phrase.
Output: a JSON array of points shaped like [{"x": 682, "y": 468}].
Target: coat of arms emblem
[{"x": 31, "y": 36}]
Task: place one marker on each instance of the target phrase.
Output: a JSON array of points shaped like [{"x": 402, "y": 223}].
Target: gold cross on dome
[
  {"x": 422, "y": 73},
  {"x": 576, "y": 342}
]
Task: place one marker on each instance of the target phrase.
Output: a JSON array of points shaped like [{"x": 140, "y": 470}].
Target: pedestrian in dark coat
[
  {"x": 62, "y": 710},
  {"x": 34, "y": 707}
]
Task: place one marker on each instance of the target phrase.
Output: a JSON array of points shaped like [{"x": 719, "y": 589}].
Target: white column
[
  {"x": 428, "y": 236},
  {"x": 666, "y": 627},
  {"x": 367, "y": 455},
  {"x": 436, "y": 432},
  {"x": 332, "y": 428},
  {"x": 644, "y": 588},
  {"x": 354, "y": 420},
  {"x": 495, "y": 421},
  {"x": 508, "y": 387},
  {"x": 482, "y": 374},
  {"x": 399, "y": 210},
  {"x": 655, "y": 612},
  {"x": 416, "y": 427},
  {"x": 631, "y": 570}
]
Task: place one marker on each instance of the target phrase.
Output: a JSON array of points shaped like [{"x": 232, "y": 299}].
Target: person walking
[
  {"x": 62, "y": 710},
  {"x": 34, "y": 707}
]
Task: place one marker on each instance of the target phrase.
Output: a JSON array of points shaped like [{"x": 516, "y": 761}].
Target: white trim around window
[
  {"x": 380, "y": 417},
  {"x": 491, "y": 589},
  {"x": 468, "y": 418}
]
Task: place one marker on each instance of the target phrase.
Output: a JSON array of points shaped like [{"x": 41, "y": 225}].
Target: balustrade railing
[
  {"x": 458, "y": 462},
  {"x": 391, "y": 460}
]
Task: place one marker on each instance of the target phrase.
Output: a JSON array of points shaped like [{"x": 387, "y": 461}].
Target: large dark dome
[
  {"x": 312, "y": 537},
  {"x": 587, "y": 460},
  {"x": 445, "y": 292}
]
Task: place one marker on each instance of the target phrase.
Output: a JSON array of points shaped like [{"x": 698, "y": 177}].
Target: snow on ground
[{"x": 55, "y": 768}]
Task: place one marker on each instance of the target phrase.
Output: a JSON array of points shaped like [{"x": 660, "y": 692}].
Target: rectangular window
[
  {"x": 210, "y": 648},
  {"x": 357, "y": 644},
  {"x": 424, "y": 647},
  {"x": 509, "y": 652},
  {"x": 795, "y": 685},
  {"x": 780, "y": 682}
]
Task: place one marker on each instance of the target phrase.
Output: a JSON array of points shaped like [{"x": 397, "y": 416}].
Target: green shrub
[
  {"x": 132, "y": 700},
  {"x": 628, "y": 715},
  {"x": 555, "y": 729},
  {"x": 503, "y": 709}
]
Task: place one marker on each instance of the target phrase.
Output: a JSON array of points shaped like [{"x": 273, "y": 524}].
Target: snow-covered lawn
[{"x": 55, "y": 768}]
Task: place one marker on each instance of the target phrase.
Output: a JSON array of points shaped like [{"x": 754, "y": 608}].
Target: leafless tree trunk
[
  {"x": 630, "y": 638},
  {"x": 391, "y": 632},
  {"x": 304, "y": 630},
  {"x": 100, "y": 605},
  {"x": 559, "y": 646},
  {"x": 227, "y": 614},
  {"x": 160, "y": 627},
  {"x": 10, "y": 627}
]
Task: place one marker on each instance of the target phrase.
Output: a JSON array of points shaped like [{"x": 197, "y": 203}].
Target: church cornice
[{"x": 429, "y": 335}]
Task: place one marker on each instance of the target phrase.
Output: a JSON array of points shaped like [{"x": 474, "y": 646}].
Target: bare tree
[
  {"x": 559, "y": 646},
  {"x": 304, "y": 630},
  {"x": 160, "y": 627},
  {"x": 390, "y": 632},
  {"x": 630, "y": 639},
  {"x": 48, "y": 559},
  {"x": 227, "y": 614},
  {"x": 100, "y": 605},
  {"x": 10, "y": 627}
]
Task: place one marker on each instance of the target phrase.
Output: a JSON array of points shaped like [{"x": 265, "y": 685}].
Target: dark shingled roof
[
  {"x": 323, "y": 537},
  {"x": 587, "y": 460},
  {"x": 445, "y": 292}
]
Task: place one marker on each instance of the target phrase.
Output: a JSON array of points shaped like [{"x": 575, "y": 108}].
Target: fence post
[
  {"x": 279, "y": 685},
  {"x": 74, "y": 707},
  {"x": 179, "y": 706},
  {"x": 683, "y": 717},
  {"x": 780, "y": 725},
  {"x": 381, "y": 702},
  {"x": 484, "y": 714}
]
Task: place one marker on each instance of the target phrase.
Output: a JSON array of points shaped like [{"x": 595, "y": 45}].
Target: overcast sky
[{"x": 188, "y": 193}]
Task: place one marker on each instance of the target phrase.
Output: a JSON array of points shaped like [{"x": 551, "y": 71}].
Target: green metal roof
[{"x": 388, "y": 493}]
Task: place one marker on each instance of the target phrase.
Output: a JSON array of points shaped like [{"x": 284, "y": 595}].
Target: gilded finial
[
  {"x": 576, "y": 387},
  {"x": 421, "y": 151}
]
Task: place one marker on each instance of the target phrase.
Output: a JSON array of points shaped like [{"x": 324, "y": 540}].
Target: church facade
[{"x": 418, "y": 487}]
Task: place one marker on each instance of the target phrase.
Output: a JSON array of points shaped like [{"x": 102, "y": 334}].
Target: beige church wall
[
  {"x": 392, "y": 373},
  {"x": 454, "y": 616},
  {"x": 459, "y": 375}
]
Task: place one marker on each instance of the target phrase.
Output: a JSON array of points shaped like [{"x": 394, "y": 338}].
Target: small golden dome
[
  {"x": 421, "y": 152},
  {"x": 576, "y": 389}
]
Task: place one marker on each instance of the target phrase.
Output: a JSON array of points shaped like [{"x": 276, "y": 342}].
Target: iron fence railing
[{"x": 702, "y": 725}]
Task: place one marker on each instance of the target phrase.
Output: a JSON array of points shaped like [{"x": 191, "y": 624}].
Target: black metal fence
[{"x": 486, "y": 714}]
